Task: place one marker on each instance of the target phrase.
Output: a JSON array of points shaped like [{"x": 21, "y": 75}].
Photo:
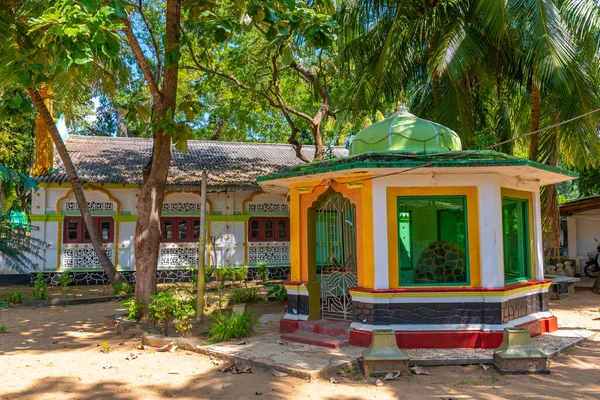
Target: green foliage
[
  {"x": 166, "y": 305},
  {"x": 2, "y": 329},
  {"x": 15, "y": 297},
  {"x": 40, "y": 287},
  {"x": 276, "y": 290},
  {"x": 121, "y": 289},
  {"x": 182, "y": 315},
  {"x": 233, "y": 326},
  {"x": 225, "y": 274},
  {"x": 209, "y": 272},
  {"x": 65, "y": 279},
  {"x": 247, "y": 295},
  {"x": 134, "y": 308},
  {"x": 262, "y": 270},
  {"x": 17, "y": 247},
  {"x": 240, "y": 273}
]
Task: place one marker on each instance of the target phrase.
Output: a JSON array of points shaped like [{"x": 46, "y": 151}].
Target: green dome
[{"x": 405, "y": 133}]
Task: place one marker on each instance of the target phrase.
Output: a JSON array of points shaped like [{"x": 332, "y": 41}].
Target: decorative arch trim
[
  {"x": 195, "y": 192},
  {"x": 89, "y": 187}
]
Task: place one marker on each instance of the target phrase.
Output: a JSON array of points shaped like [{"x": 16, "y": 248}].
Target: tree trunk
[
  {"x": 147, "y": 230},
  {"x": 316, "y": 129},
  {"x": 535, "y": 121},
  {"x": 218, "y": 130},
  {"x": 111, "y": 272}
]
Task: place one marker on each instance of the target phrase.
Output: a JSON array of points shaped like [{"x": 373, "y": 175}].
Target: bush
[
  {"x": 40, "y": 287},
  {"x": 209, "y": 272},
  {"x": 15, "y": 297},
  {"x": 225, "y": 274},
  {"x": 276, "y": 290},
  {"x": 134, "y": 308},
  {"x": 240, "y": 274},
  {"x": 262, "y": 270},
  {"x": 182, "y": 316},
  {"x": 2, "y": 329},
  {"x": 246, "y": 295},
  {"x": 234, "y": 326},
  {"x": 121, "y": 289},
  {"x": 65, "y": 279},
  {"x": 165, "y": 305}
]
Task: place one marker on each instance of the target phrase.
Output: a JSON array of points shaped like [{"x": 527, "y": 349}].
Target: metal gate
[{"x": 336, "y": 255}]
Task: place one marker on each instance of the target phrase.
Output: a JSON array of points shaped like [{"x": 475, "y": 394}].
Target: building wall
[
  {"x": 227, "y": 226},
  {"x": 488, "y": 186},
  {"x": 582, "y": 228}
]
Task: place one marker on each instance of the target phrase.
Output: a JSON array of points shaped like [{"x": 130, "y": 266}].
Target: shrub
[
  {"x": 165, "y": 305},
  {"x": 134, "y": 308},
  {"x": 2, "y": 329},
  {"x": 225, "y": 327},
  {"x": 121, "y": 289},
  {"x": 240, "y": 274},
  {"x": 182, "y": 316},
  {"x": 15, "y": 297},
  {"x": 65, "y": 279},
  {"x": 225, "y": 274},
  {"x": 262, "y": 270},
  {"x": 247, "y": 295},
  {"x": 209, "y": 272},
  {"x": 105, "y": 347},
  {"x": 276, "y": 290},
  {"x": 40, "y": 287}
]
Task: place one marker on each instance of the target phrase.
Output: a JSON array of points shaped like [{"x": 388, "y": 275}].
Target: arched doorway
[{"x": 335, "y": 226}]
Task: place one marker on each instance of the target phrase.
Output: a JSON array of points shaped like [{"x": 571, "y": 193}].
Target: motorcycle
[{"x": 592, "y": 269}]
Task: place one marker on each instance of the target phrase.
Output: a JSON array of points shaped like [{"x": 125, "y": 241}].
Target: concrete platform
[{"x": 265, "y": 349}]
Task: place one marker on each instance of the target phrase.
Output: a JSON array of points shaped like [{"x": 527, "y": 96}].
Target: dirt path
[{"x": 54, "y": 353}]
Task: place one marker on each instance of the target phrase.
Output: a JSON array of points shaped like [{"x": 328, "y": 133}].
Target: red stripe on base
[
  {"x": 288, "y": 325},
  {"x": 453, "y": 339}
]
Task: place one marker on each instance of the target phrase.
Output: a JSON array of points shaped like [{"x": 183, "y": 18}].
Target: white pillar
[
  {"x": 490, "y": 235},
  {"x": 380, "y": 236},
  {"x": 538, "y": 240}
]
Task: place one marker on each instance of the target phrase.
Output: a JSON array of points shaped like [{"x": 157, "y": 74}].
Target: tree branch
[
  {"x": 143, "y": 63},
  {"x": 154, "y": 42}
]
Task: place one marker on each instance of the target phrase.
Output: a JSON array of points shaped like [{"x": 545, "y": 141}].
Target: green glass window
[
  {"x": 515, "y": 230},
  {"x": 432, "y": 240}
]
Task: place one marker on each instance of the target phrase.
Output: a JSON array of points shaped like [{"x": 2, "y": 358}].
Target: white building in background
[
  {"x": 583, "y": 225},
  {"x": 245, "y": 225}
]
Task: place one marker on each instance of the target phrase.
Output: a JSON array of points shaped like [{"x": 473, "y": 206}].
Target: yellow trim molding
[
  {"x": 472, "y": 195},
  {"x": 525, "y": 195},
  {"x": 89, "y": 187}
]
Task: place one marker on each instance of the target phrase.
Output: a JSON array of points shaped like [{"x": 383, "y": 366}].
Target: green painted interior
[
  {"x": 125, "y": 218},
  {"x": 515, "y": 236},
  {"x": 228, "y": 218},
  {"x": 404, "y": 132},
  {"x": 423, "y": 221}
]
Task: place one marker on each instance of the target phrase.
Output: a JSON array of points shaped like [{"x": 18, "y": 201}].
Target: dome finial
[{"x": 401, "y": 105}]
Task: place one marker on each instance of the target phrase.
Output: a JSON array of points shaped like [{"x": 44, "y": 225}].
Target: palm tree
[
  {"x": 484, "y": 67},
  {"x": 17, "y": 247}
]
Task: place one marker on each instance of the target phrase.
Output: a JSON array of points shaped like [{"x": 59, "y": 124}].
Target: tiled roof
[{"x": 100, "y": 159}]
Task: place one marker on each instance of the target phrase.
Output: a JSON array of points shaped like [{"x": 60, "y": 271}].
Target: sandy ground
[{"x": 54, "y": 353}]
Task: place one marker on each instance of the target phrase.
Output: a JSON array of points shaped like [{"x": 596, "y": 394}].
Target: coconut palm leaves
[{"x": 18, "y": 248}]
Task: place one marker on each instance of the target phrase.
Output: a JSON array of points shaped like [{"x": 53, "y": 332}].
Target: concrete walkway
[{"x": 264, "y": 349}]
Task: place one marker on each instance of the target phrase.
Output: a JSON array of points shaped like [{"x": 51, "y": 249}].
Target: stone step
[
  {"x": 315, "y": 339},
  {"x": 336, "y": 329}
]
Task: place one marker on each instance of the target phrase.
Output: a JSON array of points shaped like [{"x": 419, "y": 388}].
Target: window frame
[
  {"x": 464, "y": 198},
  {"x": 525, "y": 206},
  {"x": 81, "y": 229},
  {"x": 175, "y": 223},
  {"x": 275, "y": 229}
]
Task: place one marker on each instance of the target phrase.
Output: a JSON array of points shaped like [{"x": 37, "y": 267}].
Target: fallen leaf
[
  {"x": 242, "y": 343},
  {"x": 334, "y": 379},
  {"x": 107, "y": 367},
  {"x": 173, "y": 373},
  {"x": 390, "y": 376},
  {"x": 379, "y": 382},
  {"x": 278, "y": 374},
  {"x": 142, "y": 347},
  {"x": 132, "y": 356},
  {"x": 418, "y": 370},
  {"x": 258, "y": 393},
  {"x": 485, "y": 367},
  {"x": 281, "y": 342}
]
